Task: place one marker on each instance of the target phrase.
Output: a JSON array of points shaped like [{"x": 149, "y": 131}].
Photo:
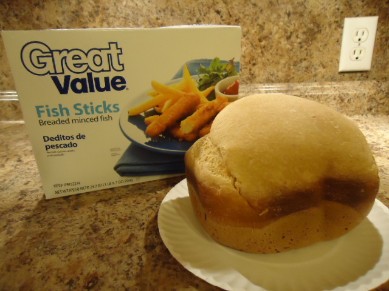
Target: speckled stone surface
[
  {"x": 348, "y": 97},
  {"x": 283, "y": 41},
  {"x": 109, "y": 239}
]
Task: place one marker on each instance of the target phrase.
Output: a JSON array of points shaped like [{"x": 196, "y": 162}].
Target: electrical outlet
[
  {"x": 357, "y": 54},
  {"x": 360, "y": 35},
  {"x": 358, "y": 39}
]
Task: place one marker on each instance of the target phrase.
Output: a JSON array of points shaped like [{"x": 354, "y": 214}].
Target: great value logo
[{"x": 66, "y": 65}]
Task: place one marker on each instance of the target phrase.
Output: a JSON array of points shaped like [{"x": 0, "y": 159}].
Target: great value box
[{"x": 106, "y": 107}]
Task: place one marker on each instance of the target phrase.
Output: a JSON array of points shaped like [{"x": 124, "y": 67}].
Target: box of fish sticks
[{"x": 110, "y": 107}]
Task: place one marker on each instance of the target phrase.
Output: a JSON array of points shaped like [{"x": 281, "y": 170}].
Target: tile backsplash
[{"x": 283, "y": 41}]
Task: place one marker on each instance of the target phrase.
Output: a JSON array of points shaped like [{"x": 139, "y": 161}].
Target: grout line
[{"x": 9, "y": 96}]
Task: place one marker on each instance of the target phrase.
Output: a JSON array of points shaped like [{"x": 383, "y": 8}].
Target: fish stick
[
  {"x": 203, "y": 115},
  {"x": 184, "y": 106},
  {"x": 205, "y": 129},
  {"x": 207, "y": 91},
  {"x": 177, "y": 133}
]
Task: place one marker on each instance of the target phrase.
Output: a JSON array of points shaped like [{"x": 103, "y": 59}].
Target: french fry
[
  {"x": 184, "y": 106},
  {"x": 158, "y": 108},
  {"x": 153, "y": 93},
  {"x": 186, "y": 79},
  {"x": 153, "y": 102},
  {"x": 180, "y": 86},
  {"x": 163, "y": 94},
  {"x": 166, "y": 90},
  {"x": 192, "y": 86},
  {"x": 202, "y": 116},
  {"x": 167, "y": 104},
  {"x": 149, "y": 119}
]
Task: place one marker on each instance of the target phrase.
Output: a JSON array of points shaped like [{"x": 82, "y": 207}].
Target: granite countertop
[{"x": 109, "y": 239}]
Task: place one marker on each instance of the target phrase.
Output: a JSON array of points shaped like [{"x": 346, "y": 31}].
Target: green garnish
[{"x": 216, "y": 71}]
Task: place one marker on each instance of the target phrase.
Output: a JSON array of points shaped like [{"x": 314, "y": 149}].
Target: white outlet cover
[{"x": 358, "y": 39}]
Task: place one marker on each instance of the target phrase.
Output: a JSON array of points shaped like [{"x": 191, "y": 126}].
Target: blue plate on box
[{"x": 133, "y": 127}]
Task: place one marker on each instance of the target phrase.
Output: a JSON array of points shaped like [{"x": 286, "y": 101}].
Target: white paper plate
[{"x": 358, "y": 260}]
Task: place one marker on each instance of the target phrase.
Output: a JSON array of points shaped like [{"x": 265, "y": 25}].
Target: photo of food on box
[{"x": 165, "y": 120}]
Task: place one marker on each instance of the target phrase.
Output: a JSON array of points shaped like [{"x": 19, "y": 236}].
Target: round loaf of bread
[{"x": 278, "y": 172}]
